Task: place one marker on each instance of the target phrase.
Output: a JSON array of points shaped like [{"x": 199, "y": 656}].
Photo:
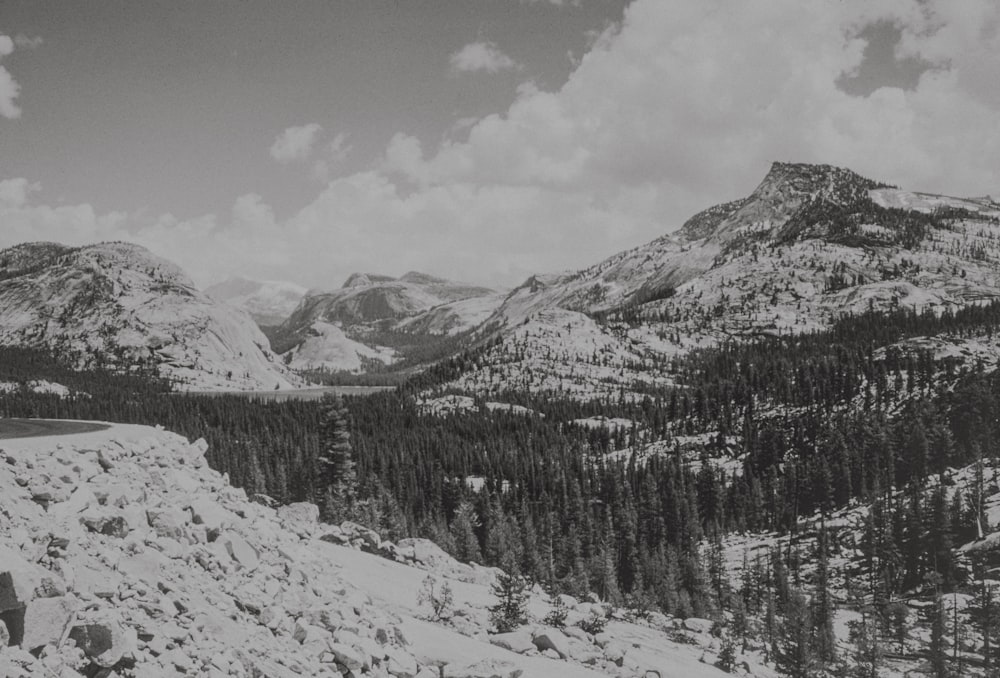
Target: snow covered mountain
[
  {"x": 269, "y": 302},
  {"x": 377, "y": 318},
  {"x": 811, "y": 243},
  {"x": 118, "y": 304}
]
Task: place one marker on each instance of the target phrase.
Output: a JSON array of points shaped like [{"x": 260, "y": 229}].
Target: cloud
[
  {"x": 14, "y": 192},
  {"x": 295, "y": 143},
  {"x": 682, "y": 106},
  {"x": 481, "y": 56},
  {"x": 336, "y": 153},
  {"x": 9, "y": 89},
  {"x": 28, "y": 42}
]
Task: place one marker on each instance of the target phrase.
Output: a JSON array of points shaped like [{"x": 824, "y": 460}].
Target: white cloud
[
  {"x": 481, "y": 56},
  {"x": 14, "y": 192},
  {"x": 336, "y": 153},
  {"x": 682, "y": 106},
  {"x": 295, "y": 143},
  {"x": 9, "y": 89}
]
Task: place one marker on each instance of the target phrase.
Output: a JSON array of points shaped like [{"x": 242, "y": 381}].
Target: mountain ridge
[{"x": 118, "y": 304}]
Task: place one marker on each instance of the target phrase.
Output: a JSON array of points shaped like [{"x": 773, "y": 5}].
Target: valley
[{"x": 761, "y": 444}]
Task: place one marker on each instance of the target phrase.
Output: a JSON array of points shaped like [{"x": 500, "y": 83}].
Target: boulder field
[{"x": 123, "y": 554}]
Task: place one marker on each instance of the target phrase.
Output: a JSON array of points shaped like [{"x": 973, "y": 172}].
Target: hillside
[
  {"x": 117, "y": 304},
  {"x": 375, "y": 320},
  {"x": 122, "y": 554},
  {"x": 268, "y": 302},
  {"x": 810, "y": 244}
]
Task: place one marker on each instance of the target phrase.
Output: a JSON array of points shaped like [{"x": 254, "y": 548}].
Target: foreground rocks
[
  {"x": 122, "y": 555},
  {"x": 132, "y": 558}
]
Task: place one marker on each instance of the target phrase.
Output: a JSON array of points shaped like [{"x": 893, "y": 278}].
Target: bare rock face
[{"x": 80, "y": 300}]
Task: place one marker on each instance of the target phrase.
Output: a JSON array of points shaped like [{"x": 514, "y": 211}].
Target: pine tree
[
  {"x": 511, "y": 591},
  {"x": 937, "y": 650},
  {"x": 463, "y": 531},
  {"x": 336, "y": 462},
  {"x": 822, "y": 608},
  {"x": 794, "y": 656}
]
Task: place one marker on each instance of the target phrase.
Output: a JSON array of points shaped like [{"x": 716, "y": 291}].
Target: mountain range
[{"x": 808, "y": 245}]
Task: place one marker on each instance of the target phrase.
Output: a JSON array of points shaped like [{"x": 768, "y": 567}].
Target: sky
[{"x": 480, "y": 140}]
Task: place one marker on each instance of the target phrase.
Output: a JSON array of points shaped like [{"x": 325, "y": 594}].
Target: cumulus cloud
[
  {"x": 336, "y": 153},
  {"x": 295, "y": 143},
  {"x": 14, "y": 192},
  {"x": 481, "y": 56},
  {"x": 682, "y": 106},
  {"x": 9, "y": 89}
]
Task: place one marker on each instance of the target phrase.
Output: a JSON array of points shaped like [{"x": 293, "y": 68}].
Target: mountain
[
  {"x": 118, "y": 304},
  {"x": 377, "y": 320},
  {"x": 269, "y": 302},
  {"x": 809, "y": 244}
]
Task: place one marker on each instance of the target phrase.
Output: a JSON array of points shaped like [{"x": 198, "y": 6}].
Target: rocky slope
[
  {"x": 810, "y": 243},
  {"x": 122, "y": 554},
  {"x": 347, "y": 328},
  {"x": 118, "y": 304},
  {"x": 269, "y": 302}
]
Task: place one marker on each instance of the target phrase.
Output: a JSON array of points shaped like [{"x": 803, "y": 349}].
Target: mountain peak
[
  {"x": 365, "y": 279},
  {"x": 837, "y": 184}
]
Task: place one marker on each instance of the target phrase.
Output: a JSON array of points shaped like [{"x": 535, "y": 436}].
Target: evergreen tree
[
  {"x": 511, "y": 591},
  {"x": 794, "y": 656},
  {"x": 822, "y": 607},
  {"x": 336, "y": 462}
]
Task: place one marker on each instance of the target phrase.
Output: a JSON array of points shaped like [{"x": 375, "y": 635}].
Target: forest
[{"x": 806, "y": 426}]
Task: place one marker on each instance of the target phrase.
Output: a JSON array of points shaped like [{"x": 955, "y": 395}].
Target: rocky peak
[{"x": 365, "y": 280}]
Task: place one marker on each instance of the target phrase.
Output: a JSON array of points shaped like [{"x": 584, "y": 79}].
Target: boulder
[
  {"x": 214, "y": 517},
  {"x": 168, "y": 522},
  {"x": 240, "y": 550},
  {"x": 46, "y": 620},
  {"x": 485, "y": 668},
  {"x": 552, "y": 639},
  {"x": 18, "y": 580},
  {"x": 515, "y": 641},
  {"x": 400, "y": 663},
  {"x": 350, "y": 657},
  {"x": 699, "y": 625},
  {"x": 104, "y": 642},
  {"x": 300, "y": 514}
]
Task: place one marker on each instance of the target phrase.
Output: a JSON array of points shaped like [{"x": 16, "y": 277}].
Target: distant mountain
[
  {"x": 381, "y": 319},
  {"x": 118, "y": 304},
  {"x": 811, "y": 243},
  {"x": 269, "y": 302}
]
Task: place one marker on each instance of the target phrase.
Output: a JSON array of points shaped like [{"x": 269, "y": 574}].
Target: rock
[
  {"x": 214, "y": 517},
  {"x": 4, "y": 635},
  {"x": 349, "y": 656},
  {"x": 104, "y": 642},
  {"x": 552, "y": 639},
  {"x": 18, "y": 580},
  {"x": 240, "y": 550},
  {"x": 46, "y": 620},
  {"x": 614, "y": 652},
  {"x": 577, "y": 632},
  {"x": 168, "y": 522},
  {"x": 299, "y": 515},
  {"x": 699, "y": 625},
  {"x": 400, "y": 663},
  {"x": 515, "y": 641},
  {"x": 486, "y": 668}
]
